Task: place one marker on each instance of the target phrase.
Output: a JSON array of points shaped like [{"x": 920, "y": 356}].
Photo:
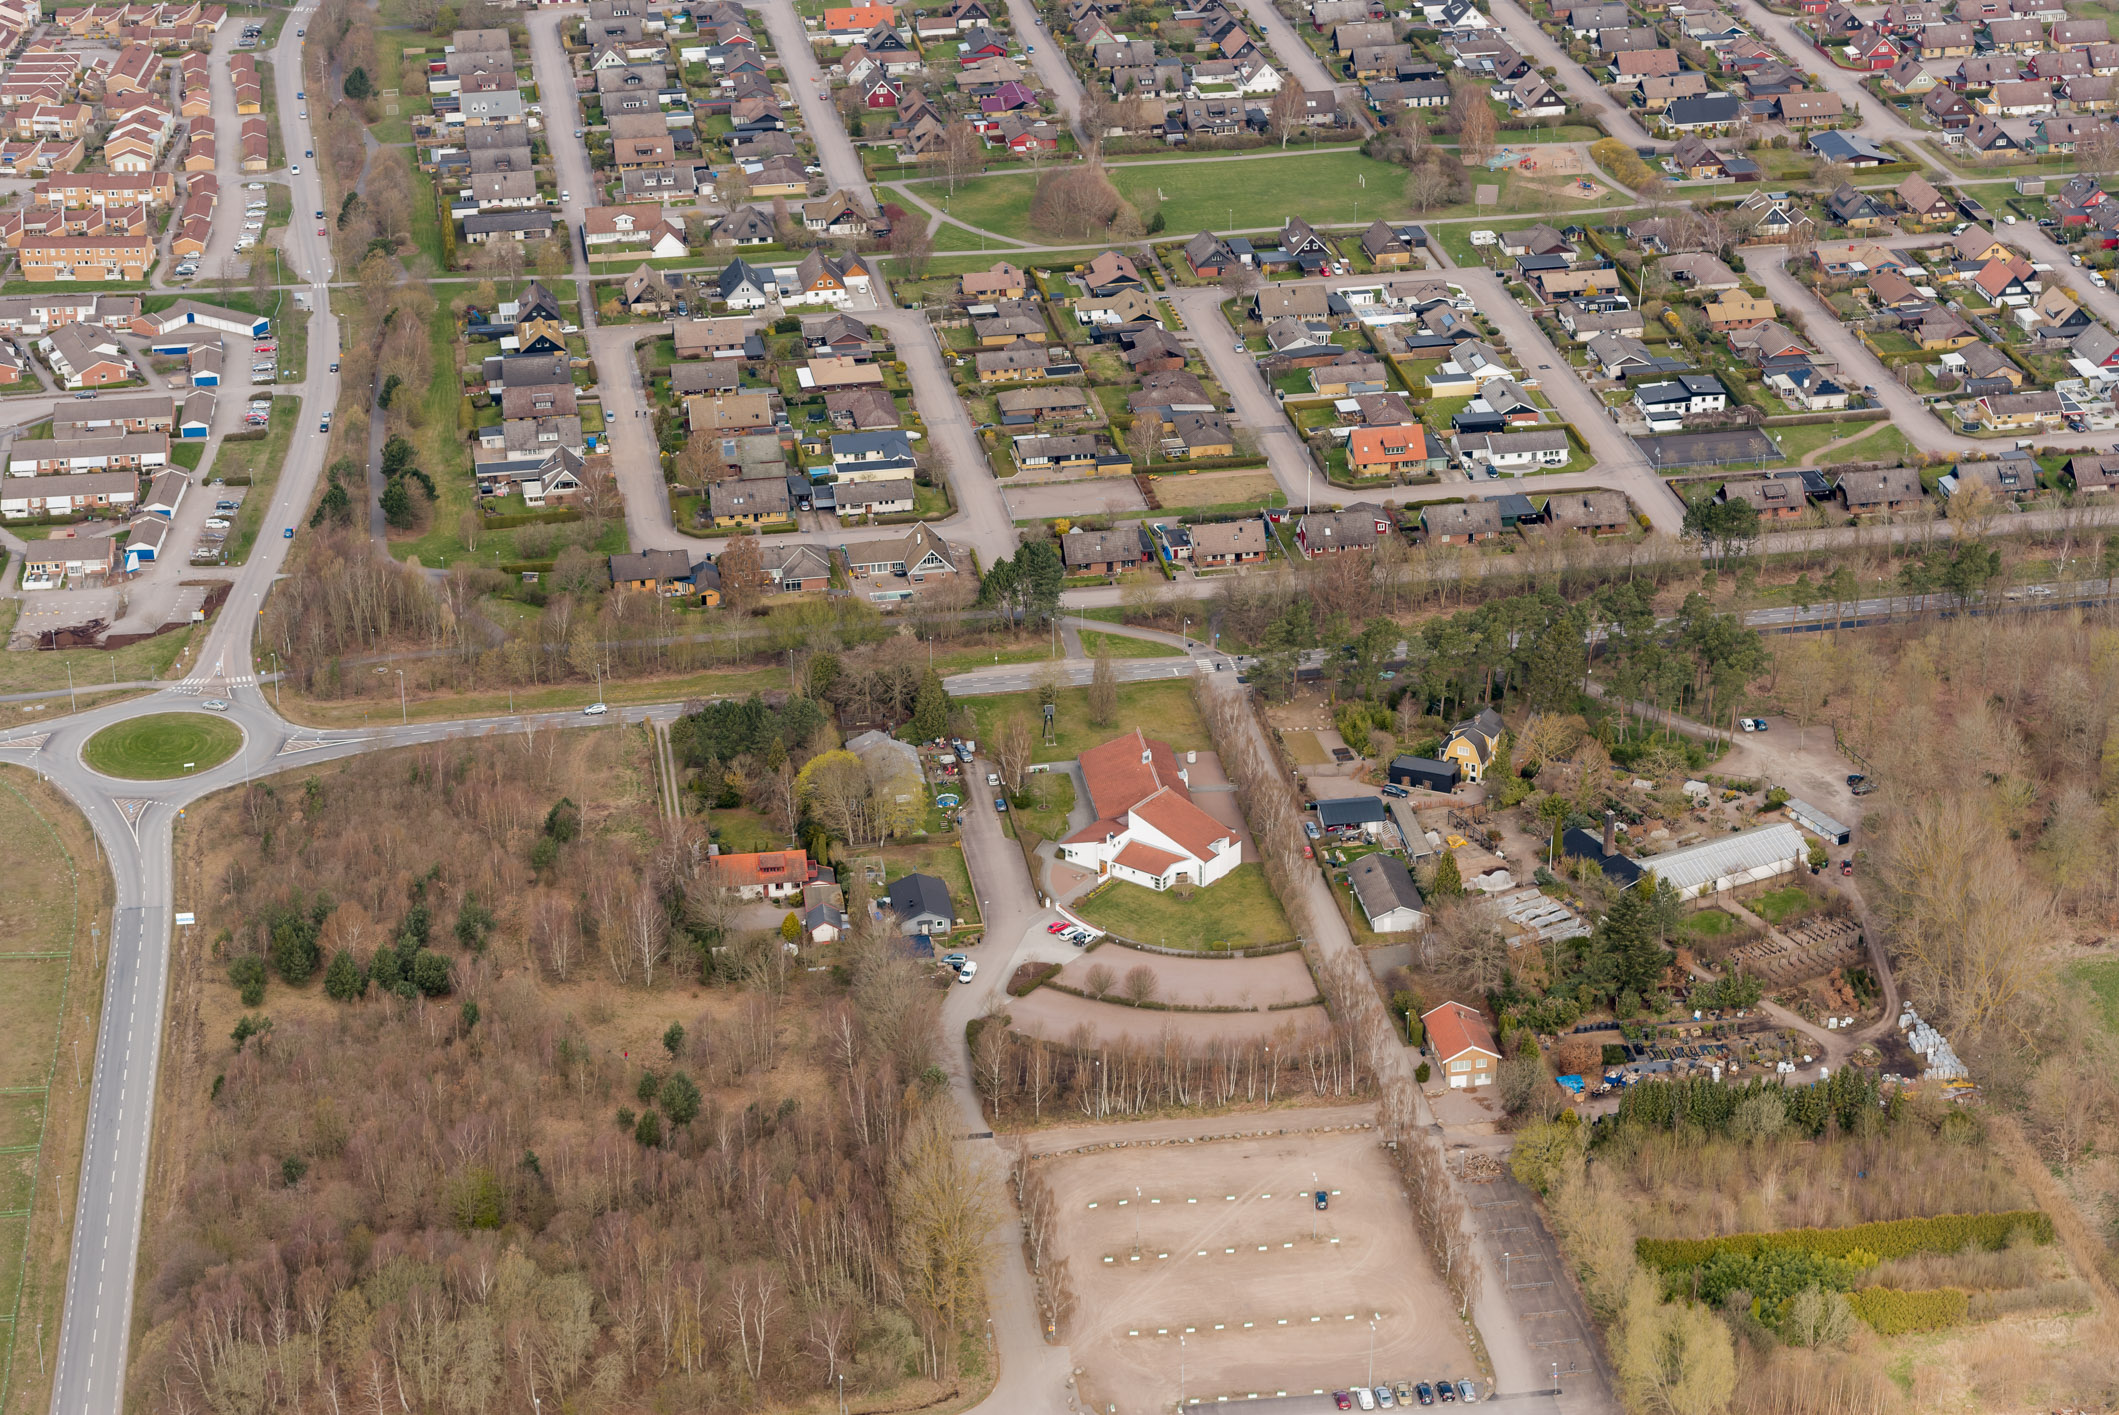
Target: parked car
[
  {"x": 1393, "y": 789},
  {"x": 1468, "y": 1392},
  {"x": 1404, "y": 1391},
  {"x": 1383, "y": 1398},
  {"x": 1310, "y": 829},
  {"x": 1446, "y": 1391},
  {"x": 1364, "y": 1398},
  {"x": 1425, "y": 1393},
  {"x": 1000, "y": 803},
  {"x": 1341, "y": 1399},
  {"x": 1324, "y": 1198},
  {"x": 1846, "y": 868},
  {"x": 956, "y": 960},
  {"x": 966, "y": 973}
]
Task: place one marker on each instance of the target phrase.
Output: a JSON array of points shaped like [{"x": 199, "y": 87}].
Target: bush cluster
[{"x": 1891, "y": 1238}]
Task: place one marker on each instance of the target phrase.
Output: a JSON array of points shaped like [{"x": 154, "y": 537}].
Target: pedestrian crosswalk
[{"x": 196, "y": 687}]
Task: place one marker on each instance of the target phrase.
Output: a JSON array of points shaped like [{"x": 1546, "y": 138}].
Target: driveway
[
  {"x": 1050, "y": 64},
  {"x": 982, "y": 520},
  {"x": 1301, "y": 61},
  {"x": 562, "y": 114}
]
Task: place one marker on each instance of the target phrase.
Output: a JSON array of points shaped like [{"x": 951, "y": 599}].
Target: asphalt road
[
  {"x": 1534, "y": 43},
  {"x": 90, "y": 1360},
  {"x": 1050, "y": 65}
]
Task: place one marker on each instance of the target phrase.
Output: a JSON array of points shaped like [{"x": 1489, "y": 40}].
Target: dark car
[
  {"x": 1446, "y": 1391},
  {"x": 1324, "y": 1199},
  {"x": 1000, "y": 803},
  {"x": 1396, "y": 790},
  {"x": 1425, "y": 1393}
]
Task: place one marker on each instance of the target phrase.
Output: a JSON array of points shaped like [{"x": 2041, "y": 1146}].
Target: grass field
[
  {"x": 1306, "y": 749},
  {"x": 1126, "y": 646},
  {"x": 164, "y": 745},
  {"x": 1886, "y": 444},
  {"x": 1709, "y": 923},
  {"x": 45, "y": 916},
  {"x": 1799, "y": 442},
  {"x": 1168, "y": 706},
  {"x": 1239, "y": 911},
  {"x": 1217, "y": 489},
  {"x": 260, "y": 461},
  {"x": 1781, "y": 904},
  {"x": 618, "y": 693},
  {"x": 2101, "y": 977},
  {"x": 28, "y": 671},
  {"x": 1048, "y": 797},
  {"x": 965, "y": 660}
]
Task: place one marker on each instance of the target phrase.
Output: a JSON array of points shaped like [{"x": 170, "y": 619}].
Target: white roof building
[{"x": 1722, "y": 864}]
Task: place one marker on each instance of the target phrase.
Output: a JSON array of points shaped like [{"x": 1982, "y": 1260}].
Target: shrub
[
  {"x": 1421, "y": 1073},
  {"x": 1621, "y": 161},
  {"x": 1030, "y": 977},
  {"x": 248, "y": 975},
  {"x": 1892, "y": 1311},
  {"x": 1890, "y": 1238}
]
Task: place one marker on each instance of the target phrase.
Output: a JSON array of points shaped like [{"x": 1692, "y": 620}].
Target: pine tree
[
  {"x": 345, "y": 979},
  {"x": 1448, "y": 882},
  {"x": 930, "y": 710}
]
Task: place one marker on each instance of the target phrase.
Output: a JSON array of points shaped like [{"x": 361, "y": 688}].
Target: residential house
[
  {"x": 1225, "y": 544},
  {"x": 1147, "y": 829},
  {"x": 1891, "y": 490}
]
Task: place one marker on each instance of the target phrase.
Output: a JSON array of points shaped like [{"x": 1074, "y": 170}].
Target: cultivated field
[{"x": 1271, "y": 1296}]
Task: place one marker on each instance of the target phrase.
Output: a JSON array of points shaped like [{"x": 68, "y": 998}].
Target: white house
[
  {"x": 1147, "y": 830},
  {"x": 1515, "y": 451}
]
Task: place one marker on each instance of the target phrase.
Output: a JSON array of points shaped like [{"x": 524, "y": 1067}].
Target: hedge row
[
  {"x": 1892, "y": 1238},
  {"x": 1893, "y": 1312}
]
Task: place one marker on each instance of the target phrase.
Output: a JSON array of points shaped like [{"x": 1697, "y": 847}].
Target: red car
[
  {"x": 1341, "y": 1399},
  {"x": 1054, "y": 928},
  {"x": 1846, "y": 867}
]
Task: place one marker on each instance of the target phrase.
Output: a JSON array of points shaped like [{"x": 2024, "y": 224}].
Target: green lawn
[
  {"x": 260, "y": 462},
  {"x": 1126, "y": 646},
  {"x": 1340, "y": 185},
  {"x": 2101, "y": 977},
  {"x": 1238, "y": 911},
  {"x": 1800, "y": 441},
  {"x": 426, "y": 220},
  {"x": 1781, "y": 904},
  {"x": 188, "y": 454},
  {"x": 1709, "y": 923},
  {"x": 1047, "y": 798},
  {"x": 965, "y": 660},
  {"x": 1167, "y": 706},
  {"x": 1886, "y": 444},
  {"x": 33, "y": 672},
  {"x": 163, "y": 745}
]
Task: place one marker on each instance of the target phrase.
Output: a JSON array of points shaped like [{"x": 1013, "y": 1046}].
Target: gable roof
[{"x": 1454, "y": 1029}]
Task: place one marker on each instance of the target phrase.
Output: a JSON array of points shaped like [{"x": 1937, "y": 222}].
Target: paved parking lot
[
  {"x": 1104, "y": 496},
  {"x": 1529, "y": 1268}
]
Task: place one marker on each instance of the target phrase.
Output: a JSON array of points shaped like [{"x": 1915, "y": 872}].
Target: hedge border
[{"x": 1889, "y": 1238}]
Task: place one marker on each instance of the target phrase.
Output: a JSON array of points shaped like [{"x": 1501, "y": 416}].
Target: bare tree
[
  {"x": 1103, "y": 690},
  {"x": 1012, "y": 751},
  {"x": 1141, "y": 984},
  {"x": 963, "y": 153},
  {"x": 1099, "y": 980},
  {"x": 1288, "y": 111}
]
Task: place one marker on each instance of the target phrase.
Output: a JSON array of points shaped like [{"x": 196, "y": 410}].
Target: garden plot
[{"x": 1223, "y": 1245}]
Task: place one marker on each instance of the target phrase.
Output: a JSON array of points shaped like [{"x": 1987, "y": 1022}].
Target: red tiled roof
[
  {"x": 775, "y": 867},
  {"x": 1453, "y": 1029},
  {"x": 1119, "y": 779},
  {"x": 1145, "y": 858},
  {"x": 1176, "y": 817}
]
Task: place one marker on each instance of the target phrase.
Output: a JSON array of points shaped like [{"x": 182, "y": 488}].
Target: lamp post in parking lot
[{"x": 1372, "y": 1352}]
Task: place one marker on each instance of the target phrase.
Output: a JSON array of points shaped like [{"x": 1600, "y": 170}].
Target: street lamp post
[
  {"x": 402, "y": 717},
  {"x": 1181, "y": 1371},
  {"x": 1372, "y": 1351}
]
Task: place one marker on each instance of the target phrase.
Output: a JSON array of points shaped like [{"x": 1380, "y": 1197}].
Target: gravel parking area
[
  {"x": 1207, "y": 982},
  {"x": 1222, "y": 1244}
]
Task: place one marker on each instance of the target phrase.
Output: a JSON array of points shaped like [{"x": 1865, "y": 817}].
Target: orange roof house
[
  {"x": 1387, "y": 451},
  {"x": 1147, "y": 829},
  {"x": 858, "y": 19},
  {"x": 1463, "y": 1044},
  {"x": 772, "y": 874}
]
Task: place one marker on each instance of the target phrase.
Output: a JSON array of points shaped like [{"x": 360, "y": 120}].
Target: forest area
[{"x": 532, "y": 1117}]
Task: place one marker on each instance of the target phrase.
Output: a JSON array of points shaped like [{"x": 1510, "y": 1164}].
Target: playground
[{"x": 1561, "y": 169}]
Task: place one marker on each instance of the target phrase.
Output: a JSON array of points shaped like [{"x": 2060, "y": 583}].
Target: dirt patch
[
  {"x": 1214, "y": 488},
  {"x": 1205, "y": 982},
  {"x": 1055, "y": 1016},
  {"x": 1222, "y": 1243},
  {"x": 1102, "y": 497}
]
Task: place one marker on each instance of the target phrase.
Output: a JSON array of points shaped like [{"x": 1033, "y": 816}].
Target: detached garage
[{"x": 1423, "y": 774}]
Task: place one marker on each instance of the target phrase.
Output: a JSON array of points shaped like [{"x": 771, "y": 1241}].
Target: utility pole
[
  {"x": 76, "y": 702},
  {"x": 1372, "y": 1351},
  {"x": 402, "y": 716}
]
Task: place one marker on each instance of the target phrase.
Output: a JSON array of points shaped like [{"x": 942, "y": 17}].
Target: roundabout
[{"x": 162, "y": 746}]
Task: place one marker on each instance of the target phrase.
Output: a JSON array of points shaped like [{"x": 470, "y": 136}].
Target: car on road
[
  {"x": 1467, "y": 1392},
  {"x": 1324, "y": 1198},
  {"x": 1000, "y": 803},
  {"x": 1395, "y": 790},
  {"x": 334, "y": 365},
  {"x": 1383, "y": 1398},
  {"x": 301, "y": 96},
  {"x": 1341, "y": 1399},
  {"x": 215, "y": 705},
  {"x": 305, "y": 112},
  {"x": 325, "y": 424},
  {"x": 319, "y": 230},
  {"x": 297, "y": 169},
  {"x": 287, "y": 534},
  {"x": 966, "y": 973},
  {"x": 595, "y": 710},
  {"x": 301, "y": 33},
  {"x": 566, "y": 196},
  {"x": 85, "y": 393}
]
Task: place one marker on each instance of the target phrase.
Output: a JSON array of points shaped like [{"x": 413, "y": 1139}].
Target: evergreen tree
[
  {"x": 930, "y": 710},
  {"x": 345, "y": 979},
  {"x": 1449, "y": 881},
  {"x": 680, "y": 1099}
]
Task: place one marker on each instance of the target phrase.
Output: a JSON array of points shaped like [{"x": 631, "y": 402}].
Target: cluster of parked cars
[
  {"x": 259, "y": 412},
  {"x": 1407, "y": 1393},
  {"x": 964, "y": 967},
  {"x": 1752, "y": 724},
  {"x": 1073, "y": 933}
]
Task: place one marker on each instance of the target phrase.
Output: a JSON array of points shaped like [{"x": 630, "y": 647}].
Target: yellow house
[
  {"x": 1736, "y": 309},
  {"x": 1473, "y": 742}
]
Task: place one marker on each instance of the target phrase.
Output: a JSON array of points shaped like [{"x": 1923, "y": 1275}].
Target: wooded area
[{"x": 385, "y": 1201}]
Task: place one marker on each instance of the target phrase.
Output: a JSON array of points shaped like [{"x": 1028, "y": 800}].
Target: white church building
[{"x": 1147, "y": 829}]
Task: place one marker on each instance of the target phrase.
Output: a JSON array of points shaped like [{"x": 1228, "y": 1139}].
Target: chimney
[{"x": 1611, "y": 832}]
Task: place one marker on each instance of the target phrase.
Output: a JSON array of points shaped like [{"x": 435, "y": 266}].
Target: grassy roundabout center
[{"x": 163, "y": 745}]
